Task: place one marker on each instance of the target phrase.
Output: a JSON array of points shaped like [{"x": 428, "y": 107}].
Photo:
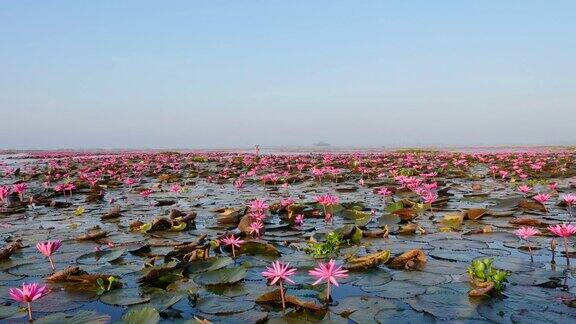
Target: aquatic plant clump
[{"x": 484, "y": 275}]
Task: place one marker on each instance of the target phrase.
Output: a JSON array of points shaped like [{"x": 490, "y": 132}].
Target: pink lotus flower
[
  {"x": 553, "y": 185},
  {"x": 20, "y": 188},
  {"x": 286, "y": 202},
  {"x": 542, "y": 198},
  {"x": 328, "y": 272},
  {"x": 28, "y": 294},
  {"x": 525, "y": 233},
  {"x": 299, "y": 220},
  {"x": 255, "y": 228},
  {"x": 175, "y": 188},
  {"x": 278, "y": 273},
  {"x": 430, "y": 186},
  {"x": 430, "y": 197},
  {"x": 257, "y": 216},
  {"x": 4, "y": 193},
  {"x": 233, "y": 242},
  {"x": 145, "y": 193},
  {"x": 327, "y": 200},
  {"x": 258, "y": 205},
  {"x": 238, "y": 183},
  {"x": 524, "y": 189},
  {"x": 564, "y": 231},
  {"x": 569, "y": 199},
  {"x": 48, "y": 248},
  {"x": 384, "y": 192}
]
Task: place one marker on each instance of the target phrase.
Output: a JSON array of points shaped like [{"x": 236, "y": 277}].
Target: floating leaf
[
  {"x": 145, "y": 315},
  {"x": 222, "y": 276},
  {"x": 179, "y": 227},
  {"x": 368, "y": 261},
  {"x": 8, "y": 311},
  {"x": 124, "y": 297},
  {"x": 453, "y": 220},
  {"x": 79, "y": 211},
  {"x": 223, "y": 305},
  {"x": 100, "y": 257},
  {"x": 413, "y": 259},
  {"x": 475, "y": 213},
  {"x": 258, "y": 248},
  {"x": 81, "y": 317},
  {"x": 210, "y": 264},
  {"x": 145, "y": 228}
]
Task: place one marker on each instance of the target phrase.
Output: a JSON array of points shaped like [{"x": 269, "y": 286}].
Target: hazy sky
[{"x": 116, "y": 73}]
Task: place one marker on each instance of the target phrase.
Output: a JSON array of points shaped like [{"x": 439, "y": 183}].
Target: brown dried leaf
[
  {"x": 368, "y": 261},
  {"x": 409, "y": 260},
  {"x": 475, "y": 213},
  {"x": 10, "y": 248}
]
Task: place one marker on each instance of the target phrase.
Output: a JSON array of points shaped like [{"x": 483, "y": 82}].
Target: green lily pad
[
  {"x": 78, "y": 318},
  {"x": 8, "y": 311},
  {"x": 258, "y": 248},
  {"x": 400, "y": 289},
  {"x": 221, "y": 276},
  {"x": 124, "y": 297},
  {"x": 145, "y": 315},
  {"x": 223, "y": 305},
  {"x": 37, "y": 269},
  {"x": 210, "y": 264},
  {"x": 100, "y": 257}
]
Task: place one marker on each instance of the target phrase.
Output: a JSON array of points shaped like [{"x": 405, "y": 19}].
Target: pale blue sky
[{"x": 116, "y": 73}]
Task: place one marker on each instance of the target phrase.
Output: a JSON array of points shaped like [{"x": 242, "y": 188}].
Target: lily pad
[
  {"x": 145, "y": 315},
  {"x": 223, "y": 305},
  {"x": 210, "y": 264},
  {"x": 124, "y": 297},
  {"x": 100, "y": 257},
  {"x": 82, "y": 316},
  {"x": 221, "y": 276}
]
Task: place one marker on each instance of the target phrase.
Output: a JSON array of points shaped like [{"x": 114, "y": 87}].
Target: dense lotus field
[{"x": 207, "y": 237}]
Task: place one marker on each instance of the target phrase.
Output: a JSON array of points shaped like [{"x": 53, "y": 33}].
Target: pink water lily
[
  {"x": 48, "y": 248},
  {"x": 564, "y": 231},
  {"x": 28, "y": 294},
  {"x": 234, "y": 242},
  {"x": 279, "y": 273},
  {"x": 542, "y": 198},
  {"x": 524, "y": 189},
  {"x": 145, "y": 193},
  {"x": 329, "y": 273},
  {"x": 175, "y": 188},
  {"x": 255, "y": 228},
  {"x": 299, "y": 220},
  {"x": 570, "y": 200},
  {"x": 525, "y": 233},
  {"x": 4, "y": 193},
  {"x": 327, "y": 201},
  {"x": 20, "y": 188},
  {"x": 258, "y": 205}
]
